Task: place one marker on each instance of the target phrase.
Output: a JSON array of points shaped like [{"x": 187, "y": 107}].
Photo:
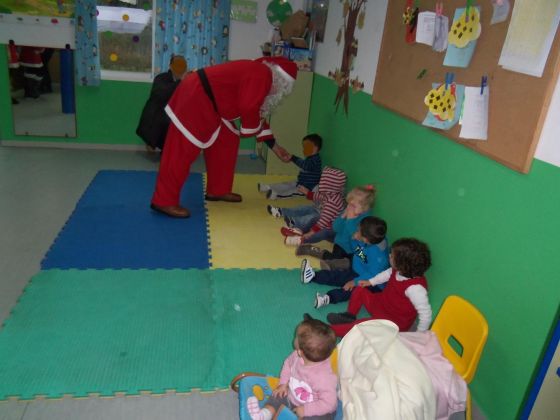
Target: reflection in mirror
[{"x": 42, "y": 91}]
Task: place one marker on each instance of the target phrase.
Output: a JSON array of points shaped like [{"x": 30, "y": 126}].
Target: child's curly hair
[
  {"x": 373, "y": 229},
  {"x": 365, "y": 195},
  {"x": 411, "y": 257},
  {"x": 315, "y": 339}
]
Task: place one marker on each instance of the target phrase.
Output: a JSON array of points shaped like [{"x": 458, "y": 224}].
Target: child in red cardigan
[{"x": 404, "y": 297}]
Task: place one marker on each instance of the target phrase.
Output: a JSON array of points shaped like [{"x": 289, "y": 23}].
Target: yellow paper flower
[
  {"x": 463, "y": 32},
  {"x": 441, "y": 102}
]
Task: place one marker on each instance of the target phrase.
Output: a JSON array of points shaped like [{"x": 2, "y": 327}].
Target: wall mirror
[{"x": 42, "y": 91}]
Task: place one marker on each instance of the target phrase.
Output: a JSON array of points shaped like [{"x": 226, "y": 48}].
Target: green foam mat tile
[{"x": 77, "y": 332}]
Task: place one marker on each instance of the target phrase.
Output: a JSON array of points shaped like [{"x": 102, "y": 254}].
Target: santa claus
[{"x": 203, "y": 111}]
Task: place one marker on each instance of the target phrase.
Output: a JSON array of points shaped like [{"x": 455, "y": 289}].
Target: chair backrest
[{"x": 462, "y": 331}]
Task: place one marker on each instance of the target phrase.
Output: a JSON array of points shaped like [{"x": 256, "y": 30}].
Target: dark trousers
[
  {"x": 337, "y": 253},
  {"x": 339, "y": 278}
]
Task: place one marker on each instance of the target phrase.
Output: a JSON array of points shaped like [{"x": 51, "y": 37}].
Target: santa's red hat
[{"x": 287, "y": 68}]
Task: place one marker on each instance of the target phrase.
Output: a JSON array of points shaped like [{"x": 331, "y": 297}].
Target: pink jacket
[{"x": 313, "y": 386}]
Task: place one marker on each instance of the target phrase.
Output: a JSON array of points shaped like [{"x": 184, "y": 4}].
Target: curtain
[
  {"x": 196, "y": 29},
  {"x": 88, "y": 68}
]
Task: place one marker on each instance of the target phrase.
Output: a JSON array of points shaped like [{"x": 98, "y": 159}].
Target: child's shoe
[
  {"x": 263, "y": 187},
  {"x": 322, "y": 300},
  {"x": 292, "y": 240},
  {"x": 274, "y": 211},
  {"x": 341, "y": 318},
  {"x": 271, "y": 195},
  {"x": 290, "y": 231},
  {"x": 310, "y": 250},
  {"x": 255, "y": 411},
  {"x": 338, "y": 264},
  {"x": 307, "y": 273}
]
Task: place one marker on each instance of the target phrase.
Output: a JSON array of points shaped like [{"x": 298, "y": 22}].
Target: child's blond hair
[{"x": 365, "y": 195}]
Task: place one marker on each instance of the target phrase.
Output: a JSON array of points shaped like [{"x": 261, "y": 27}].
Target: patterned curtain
[
  {"x": 88, "y": 69},
  {"x": 196, "y": 29}
]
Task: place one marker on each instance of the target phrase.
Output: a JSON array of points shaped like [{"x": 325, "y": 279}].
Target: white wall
[{"x": 245, "y": 39}]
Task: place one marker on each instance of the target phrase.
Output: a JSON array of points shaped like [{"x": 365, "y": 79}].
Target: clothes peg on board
[
  {"x": 468, "y": 10},
  {"x": 483, "y": 83},
  {"x": 439, "y": 9}
]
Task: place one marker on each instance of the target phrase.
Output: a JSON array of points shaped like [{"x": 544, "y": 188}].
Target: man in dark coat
[{"x": 154, "y": 122}]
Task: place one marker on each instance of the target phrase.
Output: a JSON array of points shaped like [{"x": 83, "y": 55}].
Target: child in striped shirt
[
  {"x": 308, "y": 177},
  {"x": 314, "y": 223}
]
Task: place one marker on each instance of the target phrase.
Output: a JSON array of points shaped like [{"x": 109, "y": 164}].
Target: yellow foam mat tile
[{"x": 244, "y": 235}]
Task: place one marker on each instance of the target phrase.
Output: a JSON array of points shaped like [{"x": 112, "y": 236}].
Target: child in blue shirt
[
  {"x": 359, "y": 201},
  {"x": 308, "y": 176},
  {"x": 370, "y": 257}
]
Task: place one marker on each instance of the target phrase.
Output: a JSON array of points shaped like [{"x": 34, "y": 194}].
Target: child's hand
[
  {"x": 364, "y": 283},
  {"x": 281, "y": 391},
  {"x": 302, "y": 189},
  {"x": 300, "y": 412},
  {"x": 348, "y": 286}
]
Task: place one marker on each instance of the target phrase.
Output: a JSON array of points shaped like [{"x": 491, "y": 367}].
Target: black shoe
[
  {"x": 14, "y": 101},
  {"x": 341, "y": 318},
  {"x": 307, "y": 317}
]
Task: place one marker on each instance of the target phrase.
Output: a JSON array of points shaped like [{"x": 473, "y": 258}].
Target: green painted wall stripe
[{"x": 492, "y": 231}]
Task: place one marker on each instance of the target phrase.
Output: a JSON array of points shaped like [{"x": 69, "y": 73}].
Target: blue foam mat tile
[{"x": 112, "y": 226}]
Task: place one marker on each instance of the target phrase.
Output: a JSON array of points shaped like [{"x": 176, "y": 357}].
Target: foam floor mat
[
  {"x": 244, "y": 235},
  {"x": 78, "y": 332},
  {"x": 112, "y": 226}
]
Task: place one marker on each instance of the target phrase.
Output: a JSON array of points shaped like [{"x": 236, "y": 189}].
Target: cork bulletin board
[{"x": 518, "y": 102}]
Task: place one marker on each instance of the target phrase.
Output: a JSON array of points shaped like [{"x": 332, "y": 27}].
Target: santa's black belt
[{"x": 206, "y": 86}]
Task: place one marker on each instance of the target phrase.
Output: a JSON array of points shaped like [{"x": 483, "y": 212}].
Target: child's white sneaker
[
  {"x": 274, "y": 211},
  {"x": 263, "y": 187},
  {"x": 321, "y": 300},
  {"x": 307, "y": 273},
  {"x": 292, "y": 240}
]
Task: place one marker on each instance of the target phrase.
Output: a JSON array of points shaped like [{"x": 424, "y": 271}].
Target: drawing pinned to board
[
  {"x": 500, "y": 11},
  {"x": 410, "y": 19},
  {"x": 474, "y": 119},
  {"x": 353, "y": 13},
  {"x": 441, "y": 28},
  {"x": 464, "y": 32},
  {"x": 444, "y": 102}
]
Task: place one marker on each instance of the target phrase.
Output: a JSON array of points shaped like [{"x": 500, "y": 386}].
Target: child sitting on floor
[
  {"x": 371, "y": 256},
  {"x": 313, "y": 223},
  {"x": 360, "y": 200},
  {"x": 404, "y": 297},
  {"x": 307, "y": 383},
  {"x": 308, "y": 176}
]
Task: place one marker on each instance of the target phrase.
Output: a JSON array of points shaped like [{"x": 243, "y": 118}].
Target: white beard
[{"x": 279, "y": 89}]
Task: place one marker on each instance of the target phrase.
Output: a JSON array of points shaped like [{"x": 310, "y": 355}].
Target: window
[{"x": 125, "y": 38}]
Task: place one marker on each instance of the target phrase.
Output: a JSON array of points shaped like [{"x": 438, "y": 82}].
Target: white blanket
[{"x": 381, "y": 378}]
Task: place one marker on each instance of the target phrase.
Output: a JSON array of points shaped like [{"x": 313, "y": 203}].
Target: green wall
[
  {"x": 493, "y": 232},
  {"x": 105, "y": 115}
]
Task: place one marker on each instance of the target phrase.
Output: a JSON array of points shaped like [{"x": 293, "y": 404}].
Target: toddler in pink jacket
[{"x": 307, "y": 383}]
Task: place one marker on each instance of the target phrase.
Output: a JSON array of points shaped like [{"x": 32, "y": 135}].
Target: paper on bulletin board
[
  {"x": 530, "y": 35},
  {"x": 243, "y": 11},
  {"x": 500, "y": 11},
  {"x": 432, "y": 121},
  {"x": 459, "y": 57},
  {"x": 474, "y": 118},
  {"x": 425, "y": 28}
]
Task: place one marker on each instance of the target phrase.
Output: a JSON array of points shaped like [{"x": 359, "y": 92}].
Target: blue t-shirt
[
  {"x": 344, "y": 229},
  {"x": 369, "y": 259}
]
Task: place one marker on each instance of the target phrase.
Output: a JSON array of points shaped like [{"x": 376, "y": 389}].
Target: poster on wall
[{"x": 59, "y": 8}]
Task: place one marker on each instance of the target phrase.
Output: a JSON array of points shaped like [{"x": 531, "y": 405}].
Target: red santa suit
[{"x": 239, "y": 88}]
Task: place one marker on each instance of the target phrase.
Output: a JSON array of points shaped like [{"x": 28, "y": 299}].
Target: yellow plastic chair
[{"x": 462, "y": 332}]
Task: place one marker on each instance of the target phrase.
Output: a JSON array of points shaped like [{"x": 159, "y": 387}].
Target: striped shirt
[
  {"x": 310, "y": 170},
  {"x": 329, "y": 197}
]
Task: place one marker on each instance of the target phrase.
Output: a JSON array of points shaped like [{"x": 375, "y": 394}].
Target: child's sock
[{"x": 255, "y": 411}]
